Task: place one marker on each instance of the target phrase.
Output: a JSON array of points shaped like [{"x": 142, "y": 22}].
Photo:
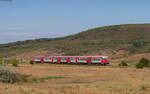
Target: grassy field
[{"x": 83, "y": 79}]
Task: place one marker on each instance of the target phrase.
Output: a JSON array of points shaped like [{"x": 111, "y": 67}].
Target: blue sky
[{"x": 30, "y": 19}]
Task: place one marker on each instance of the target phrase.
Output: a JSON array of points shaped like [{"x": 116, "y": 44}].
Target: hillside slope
[{"x": 115, "y": 41}]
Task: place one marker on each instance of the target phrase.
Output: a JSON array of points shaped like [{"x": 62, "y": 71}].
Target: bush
[
  {"x": 123, "y": 63},
  {"x": 139, "y": 65},
  {"x": 137, "y": 43},
  {"x": 31, "y": 62},
  {"x": 143, "y": 63},
  {"x": 7, "y": 75},
  {"x": 14, "y": 62}
]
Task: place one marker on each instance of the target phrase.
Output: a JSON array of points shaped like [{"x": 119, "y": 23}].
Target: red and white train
[{"x": 73, "y": 59}]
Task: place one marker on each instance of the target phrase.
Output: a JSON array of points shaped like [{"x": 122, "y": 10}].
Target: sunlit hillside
[{"x": 115, "y": 41}]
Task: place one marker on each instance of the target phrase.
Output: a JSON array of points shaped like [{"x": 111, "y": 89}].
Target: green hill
[{"x": 127, "y": 39}]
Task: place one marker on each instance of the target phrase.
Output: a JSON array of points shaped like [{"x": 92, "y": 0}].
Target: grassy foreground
[{"x": 75, "y": 79}]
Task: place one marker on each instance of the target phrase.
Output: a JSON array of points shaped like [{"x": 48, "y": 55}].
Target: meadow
[{"x": 79, "y": 79}]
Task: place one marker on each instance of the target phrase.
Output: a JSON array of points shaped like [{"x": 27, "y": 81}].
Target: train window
[
  {"x": 37, "y": 58},
  {"x": 47, "y": 58},
  {"x": 72, "y": 58},
  {"x": 67, "y": 58},
  {"x": 82, "y": 59},
  {"x": 55, "y": 58},
  {"x": 63, "y": 59},
  {"x": 96, "y": 59}
]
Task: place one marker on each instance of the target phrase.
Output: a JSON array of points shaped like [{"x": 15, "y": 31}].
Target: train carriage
[
  {"x": 83, "y": 59},
  {"x": 38, "y": 59},
  {"x": 48, "y": 59},
  {"x": 73, "y": 59},
  {"x": 96, "y": 60}
]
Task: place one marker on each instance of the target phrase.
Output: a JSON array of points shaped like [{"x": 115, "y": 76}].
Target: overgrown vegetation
[{"x": 143, "y": 63}]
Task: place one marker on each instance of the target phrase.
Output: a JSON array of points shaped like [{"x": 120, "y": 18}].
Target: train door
[
  {"x": 68, "y": 60},
  {"x": 89, "y": 60},
  {"x": 58, "y": 59}
]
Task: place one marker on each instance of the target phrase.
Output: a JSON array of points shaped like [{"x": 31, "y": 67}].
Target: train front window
[{"x": 105, "y": 58}]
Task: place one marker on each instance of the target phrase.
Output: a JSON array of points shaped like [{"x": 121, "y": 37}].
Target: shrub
[
  {"x": 137, "y": 43},
  {"x": 123, "y": 63},
  {"x": 7, "y": 75},
  {"x": 14, "y": 62},
  {"x": 143, "y": 63},
  {"x": 139, "y": 65},
  {"x": 31, "y": 62}
]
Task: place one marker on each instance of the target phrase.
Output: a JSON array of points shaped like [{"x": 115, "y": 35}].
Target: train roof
[{"x": 69, "y": 56}]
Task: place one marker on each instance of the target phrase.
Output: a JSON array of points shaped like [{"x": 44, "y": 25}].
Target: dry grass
[{"x": 81, "y": 80}]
